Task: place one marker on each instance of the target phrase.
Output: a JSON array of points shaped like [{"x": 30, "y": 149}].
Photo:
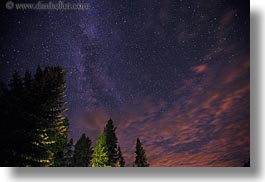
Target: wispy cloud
[{"x": 200, "y": 69}]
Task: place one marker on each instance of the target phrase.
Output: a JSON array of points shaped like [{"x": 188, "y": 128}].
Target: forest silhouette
[{"x": 34, "y": 130}]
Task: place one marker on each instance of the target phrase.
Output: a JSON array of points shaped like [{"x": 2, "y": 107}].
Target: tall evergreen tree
[
  {"x": 48, "y": 92},
  {"x": 68, "y": 155},
  {"x": 140, "y": 160},
  {"x": 39, "y": 107},
  {"x": 10, "y": 127},
  {"x": 60, "y": 145},
  {"x": 111, "y": 142},
  {"x": 31, "y": 108},
  {"x": 100, "y": 158},
  {"x": 120, "y": 162},
  {"x": 17, "y": 130},
  {"x": 83, "y": 152}
]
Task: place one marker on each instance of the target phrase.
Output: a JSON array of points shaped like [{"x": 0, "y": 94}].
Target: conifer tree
[
  {"x": 10, "y": 125},
  {"x": 111, "y": 142},
  {"x": 100, "y": 158},
  {"x": 120, "y": 162},
  {"x": 17, "y": 130},
  {"x": 82, "y": 152},
  {"x": 60, "y": 145},
  {"x": 35, "y": 129},
  {"x": 48, "y": 92},
  {"x": 140, "y": 160},
  {"x": 65, "y": 159},
  {"x": 68, "y": 155}
]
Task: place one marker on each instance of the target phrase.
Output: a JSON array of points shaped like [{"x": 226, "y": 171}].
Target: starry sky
[{"x": 174, "y": 73}]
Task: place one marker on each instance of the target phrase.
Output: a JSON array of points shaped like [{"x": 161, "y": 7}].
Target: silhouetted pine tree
[
  {"x": 34, "y": 130},
  {"x": 13, "y": 122},
  {"x": 60, "y": 146},
  {"x": 111, "y": 142},
  {"x": 140, "y": 160},
  {"x": 17, "y": 131},
  {"x": 10, "y": 127},
  {"x": 38, "y": 107},
  {"x": 83, "y": 152},
  {"x": 68, "y": 155},
  {"x": 48, "y": 92},
  {"x": 65, "y": 159},
  {"x": 120, "y": 162},
  {"x": 100, "y": 158}
]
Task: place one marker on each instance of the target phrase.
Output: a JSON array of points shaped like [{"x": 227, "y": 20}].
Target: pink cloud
[
  {"x": 188, "y": 133},
  {"x": 200, "y": 69}
]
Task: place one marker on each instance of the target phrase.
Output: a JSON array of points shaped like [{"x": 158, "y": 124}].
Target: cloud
[
  {"x": 205, "y": 129},
  {"x": 208, "y": 127},
  {"x": 239, "y": 72},
  {"x": 200, "y": 69},
  {"x": 227, "y": 18}
]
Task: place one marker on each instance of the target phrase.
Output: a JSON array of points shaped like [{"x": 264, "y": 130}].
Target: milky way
[{"x": 174, "y": 73}]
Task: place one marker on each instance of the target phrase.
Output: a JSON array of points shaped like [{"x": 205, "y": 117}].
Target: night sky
[{"x": 174, "y": 73}]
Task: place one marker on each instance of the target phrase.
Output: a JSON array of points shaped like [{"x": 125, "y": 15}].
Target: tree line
[{"x": 34, "y": 131}]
